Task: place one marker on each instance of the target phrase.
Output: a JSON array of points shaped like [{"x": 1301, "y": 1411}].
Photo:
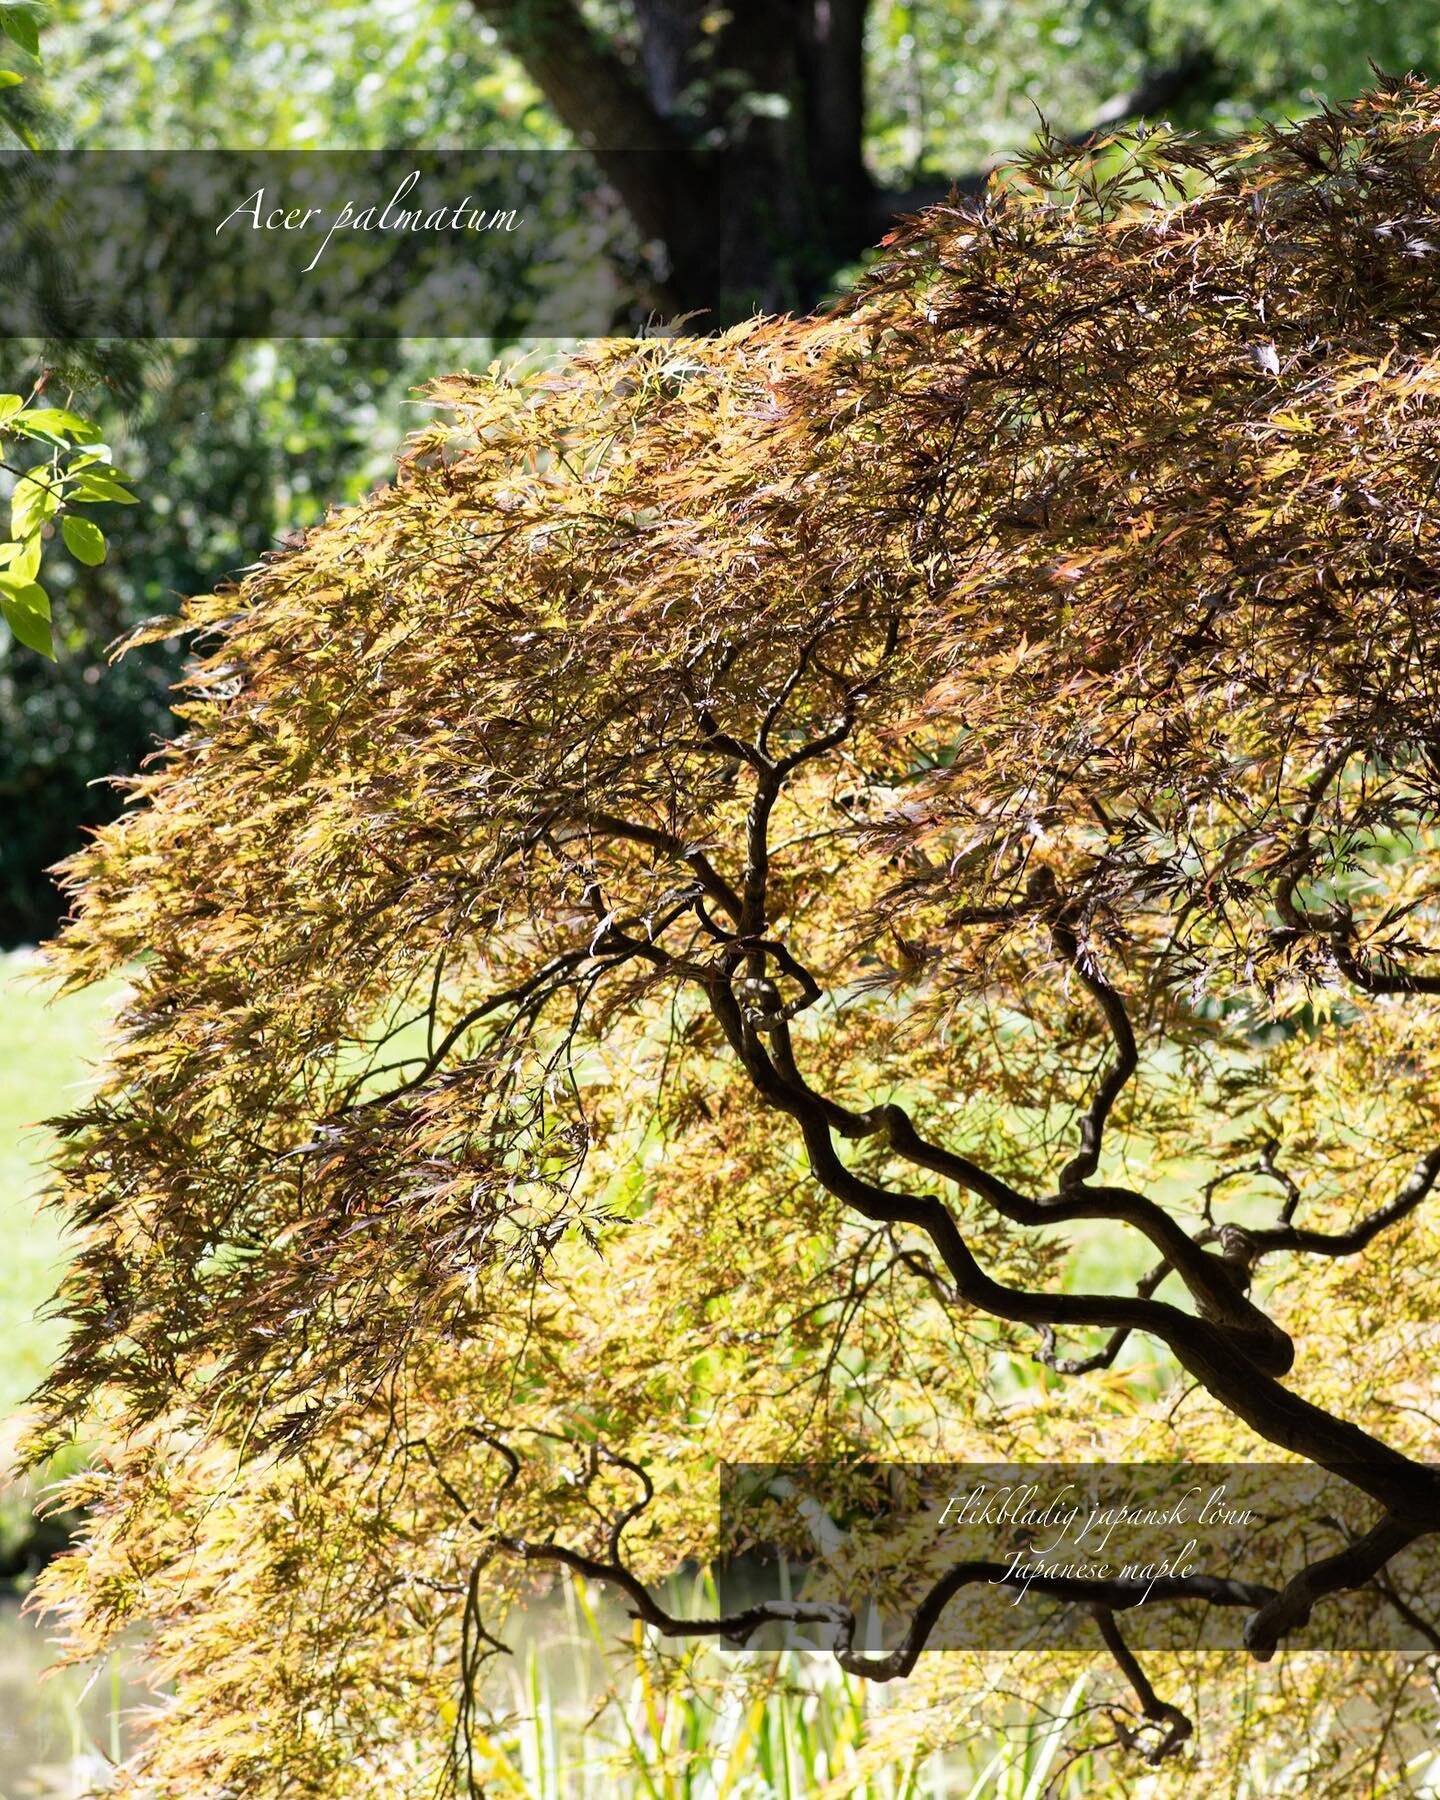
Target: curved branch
[
  {"x": 1216, "y": 1284},
  {"x": 1104, "y": 1357},
  {"x": 1110, "y": 1593},
  {"x": 1334, "y": 924},
  {"x": 1352, "y": 1567},
  {"x": 1274, "y": 1612},
  {"x": 1044, "y": 891},
  {"x": 1233, "y": 1349},
  {"x": 715, "y": 886},
  {"x": 1420, "y": 1183},
  {"x": 1178, "y": 1727},
  {"x": 1358, "y": 972}
]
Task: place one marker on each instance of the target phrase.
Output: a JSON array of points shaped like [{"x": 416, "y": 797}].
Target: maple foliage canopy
[{"x": 669, "y": 927}]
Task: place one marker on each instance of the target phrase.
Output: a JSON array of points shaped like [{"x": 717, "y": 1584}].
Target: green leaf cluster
[{"x": 73, "y": 471}]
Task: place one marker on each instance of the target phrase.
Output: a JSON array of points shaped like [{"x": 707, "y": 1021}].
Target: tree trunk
[{"x": 734, "y": 137}]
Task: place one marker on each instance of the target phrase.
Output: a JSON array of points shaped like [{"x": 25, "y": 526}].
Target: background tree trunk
[{"x": 734, "y": 136}]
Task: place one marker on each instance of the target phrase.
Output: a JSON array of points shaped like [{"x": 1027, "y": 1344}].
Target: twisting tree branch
[
  {"x": 1177, "y": 1727},
  {"x": 1352, "y": 1567},
  {"x": 1273, "y": 1612},
  {"x": 1418, "y": 1185}
]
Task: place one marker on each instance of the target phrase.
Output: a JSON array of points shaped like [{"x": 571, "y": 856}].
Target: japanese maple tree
[{"x": 668, "y": 926}]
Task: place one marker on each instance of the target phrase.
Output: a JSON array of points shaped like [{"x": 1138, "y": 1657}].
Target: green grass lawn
[{"x": 46, "y": 1049}]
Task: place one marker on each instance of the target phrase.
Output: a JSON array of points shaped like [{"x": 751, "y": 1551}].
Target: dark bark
[{"x": 737, "y": 146}]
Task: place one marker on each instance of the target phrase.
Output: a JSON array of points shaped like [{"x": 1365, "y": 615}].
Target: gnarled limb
[
  {"x": 1178, "y": 1728},
  {"x": 1286, "y": 1236},
  {"x": 1275, "y": 1612},
  {"x": 1349, "y": 1568}
]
